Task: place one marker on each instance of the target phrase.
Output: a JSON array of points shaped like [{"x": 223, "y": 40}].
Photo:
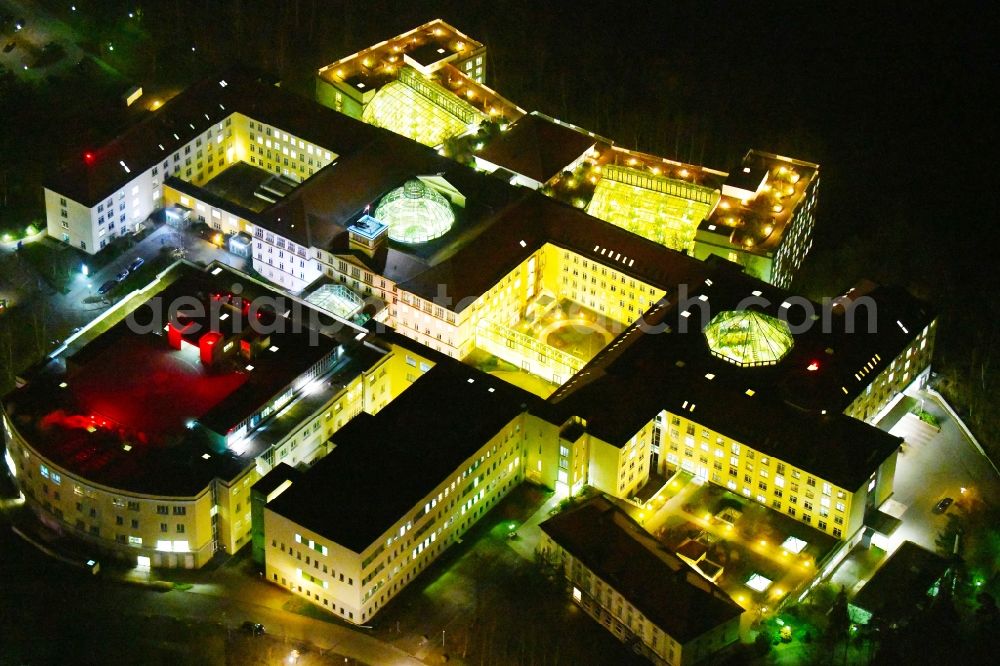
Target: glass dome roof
[
  {"x": 415, "y": 213},
  {"x": 748, "y": 338}
]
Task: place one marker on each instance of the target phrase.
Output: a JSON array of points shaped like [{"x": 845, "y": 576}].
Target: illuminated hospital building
[
  {"x": 638, "y": 307},
  {"x": 145, "y": 443}
]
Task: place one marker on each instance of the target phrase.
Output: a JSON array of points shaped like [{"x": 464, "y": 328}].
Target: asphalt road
[{"x": 40, "y": 29}]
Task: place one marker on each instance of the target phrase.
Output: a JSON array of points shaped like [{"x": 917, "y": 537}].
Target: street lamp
[{"x": 84, "y": 271}]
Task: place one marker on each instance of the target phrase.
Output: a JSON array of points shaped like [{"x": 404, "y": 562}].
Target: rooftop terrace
[
  {"x": 759, "y": 199},
  {"x": 433, "y": 43}
]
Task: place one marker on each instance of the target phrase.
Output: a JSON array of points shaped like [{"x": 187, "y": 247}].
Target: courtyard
[
  {"x": 757, "y": 555},
  {"x": 568, "y": 326},
  {"x": 483, "y": 602}
]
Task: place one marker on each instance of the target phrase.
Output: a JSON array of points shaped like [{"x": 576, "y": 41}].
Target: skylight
[
  {"x": 415, "y": 213},
  {"x": 748, "y": 338}
]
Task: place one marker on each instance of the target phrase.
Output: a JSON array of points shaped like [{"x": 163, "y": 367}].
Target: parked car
[
  {"x": 134, "y": 266},
  {"x": 943, "y": 505},
  {"x": 121, "y": 276},
  {"x": 9, "y": 47},
  {"x": 107, "y": 286},
  {"x": 253, "y": 628}
]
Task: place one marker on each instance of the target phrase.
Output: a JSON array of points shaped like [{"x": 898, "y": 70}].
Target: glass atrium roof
[
  {"x": 658, "y": 216},
  {"x": 415, "y": 213},
  {"x": 401, "y": 109},
  {"x": 338, "y": 299},
  {"x": 747, "y": 338}
]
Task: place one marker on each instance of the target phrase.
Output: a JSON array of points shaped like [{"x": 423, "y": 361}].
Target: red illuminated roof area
[
  {"x": 147, "y": 387},
  {"x": 147, "y": 412}
]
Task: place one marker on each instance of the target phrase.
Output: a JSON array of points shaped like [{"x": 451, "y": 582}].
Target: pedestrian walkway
[{"x": 529, "y": 533}]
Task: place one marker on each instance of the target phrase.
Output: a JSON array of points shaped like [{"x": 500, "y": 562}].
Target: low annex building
[{"x": 640, "y": 591}]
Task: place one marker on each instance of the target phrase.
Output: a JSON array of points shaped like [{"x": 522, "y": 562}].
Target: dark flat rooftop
[
  {"x": 384, "y": 464},
  {"x": 238, "y": 183},
  {"x": 899, "y": 588},
  {"x": 189, "y": 114},
  {"x": 278, "y": 475},
  {"x": 131, "y": 388},
  {"x": 657, "y": 582},
  {"x": 784, "y": 417},
  {"x": 537, "y": 147},
  {"x": 430, "y": 53}
]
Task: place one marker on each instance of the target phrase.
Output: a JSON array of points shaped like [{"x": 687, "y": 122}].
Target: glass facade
[
  {"x": 660, "y": 209},
  {"x": 405, "y": 110}
]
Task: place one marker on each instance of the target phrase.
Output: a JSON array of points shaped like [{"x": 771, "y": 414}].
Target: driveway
[{"x": 935, "y": 465}]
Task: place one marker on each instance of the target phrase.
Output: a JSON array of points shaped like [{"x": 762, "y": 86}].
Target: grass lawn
[{"x": 55, "y": 262}]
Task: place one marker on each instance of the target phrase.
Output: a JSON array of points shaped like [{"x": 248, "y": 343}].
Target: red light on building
[
  {"x": 207, "y": 346},
  {"x": 813, "y": 366},
  {"x": 88, "y": 157},
  {"x": 175, "y": 334}
]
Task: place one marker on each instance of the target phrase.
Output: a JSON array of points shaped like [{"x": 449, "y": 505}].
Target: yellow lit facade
[
  {"x": 171, "y": 531},
  {"x": 355, "y": 586},
  {"x": 457, "y": 328},
  {"x": 606, "y": 604},
  {"x": 188, "y": 530},
  {"x": 351, "y": 83},
  {"x": 766, "y": 227},
  {"x": 798, "y": 493},
  {"x": 658, "y": 208},
  {"x": 905, "y": 369},
  {"x": 183, "y": 531}
]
